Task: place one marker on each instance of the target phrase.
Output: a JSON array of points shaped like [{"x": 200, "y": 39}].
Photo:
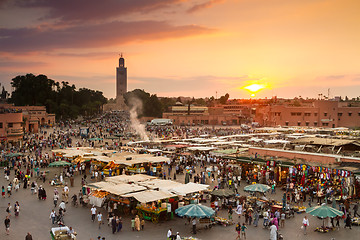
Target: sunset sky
[{"x": 187, "y": 47}]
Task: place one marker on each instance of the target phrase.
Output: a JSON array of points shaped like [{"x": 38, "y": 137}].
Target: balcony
[{"x": 15, "y": 132}]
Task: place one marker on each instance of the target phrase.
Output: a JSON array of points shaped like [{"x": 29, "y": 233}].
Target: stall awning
[
  {"x": 117, "y": 189},
  {"x": 129, "y": 178},
  {"x": 150, "y": 196},
  {"x": 189, "y": 188}
]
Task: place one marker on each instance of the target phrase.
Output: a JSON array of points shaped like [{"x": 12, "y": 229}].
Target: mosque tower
[{"x": 121, "y": 78}]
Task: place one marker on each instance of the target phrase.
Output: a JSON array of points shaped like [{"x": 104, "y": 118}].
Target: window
[
  {"x": 315, "y": 124},
  {"x": 287, "y": 123},
  {"x": 325, "y": 114},
  {"x": 277, "y": 114},
  {"x": 307, "y": 123},
  {"x": 307, "y": 114},
  {"x": 299, "y": 123},
  {"x": 315, "y": 114},
  {"x": 339, "y": 114},
  {"x": 10, "y": 125},
  {"x": 325, "y": 124},
  {"x": 359, "y": 113},
  {"x": 1, "y": 125},
  {"x": 350, "y": 113},
  {"x": 296, "y": 114}
]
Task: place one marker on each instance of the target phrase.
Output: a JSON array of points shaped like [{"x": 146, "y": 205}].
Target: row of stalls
[
  {"x": 151, "y": 198},
  {"x": 111, "y": 163}
]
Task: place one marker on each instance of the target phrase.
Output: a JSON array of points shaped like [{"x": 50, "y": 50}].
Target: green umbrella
[
  {"x": 257, "y": 188},
  {"x": 324, "y": 211},
  {"x": 223, "y": 193},
  {"x": 13, "y": 154},
  {"x": 195, "y": 210},
  {"x": 95, "y": 139},
  {"x": 59, "y": 164}
]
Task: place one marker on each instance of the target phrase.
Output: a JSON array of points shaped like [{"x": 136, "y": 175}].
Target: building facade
[
  {"x": 320, "y": 113},
  {"x": 11, "y": 129}
]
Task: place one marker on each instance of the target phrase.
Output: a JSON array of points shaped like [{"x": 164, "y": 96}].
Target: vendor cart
[
  {"x": 61, "y": 233},
  {"x": 154, "y": 215}
]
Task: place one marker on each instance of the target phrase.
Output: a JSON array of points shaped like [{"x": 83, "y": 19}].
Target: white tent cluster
[{"x": 146, "y": 188}]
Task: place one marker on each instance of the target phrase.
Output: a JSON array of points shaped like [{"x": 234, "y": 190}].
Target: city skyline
[{"x": 187, "y": 48}]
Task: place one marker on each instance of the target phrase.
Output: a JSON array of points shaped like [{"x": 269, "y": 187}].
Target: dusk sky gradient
[{"x": 187, "y": 47}]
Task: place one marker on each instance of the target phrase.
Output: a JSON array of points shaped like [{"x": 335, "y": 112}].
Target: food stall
[
  {"x": 150, "y": 206},
  {"x": 61, "y": 233}
]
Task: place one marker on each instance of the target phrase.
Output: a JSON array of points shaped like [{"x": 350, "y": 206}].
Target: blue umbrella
[{"x": 195, "y": 210}]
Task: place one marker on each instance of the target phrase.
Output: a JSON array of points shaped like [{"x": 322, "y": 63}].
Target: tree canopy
[
  {"x": 59, "y": 98},
  {"x": 150, "y": 104}
]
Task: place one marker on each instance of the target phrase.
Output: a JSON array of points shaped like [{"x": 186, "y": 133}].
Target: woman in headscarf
[{"x": 137, "y": 223}]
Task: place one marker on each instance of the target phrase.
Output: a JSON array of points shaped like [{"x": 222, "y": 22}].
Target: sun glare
[{"x": 253, "y": 88}]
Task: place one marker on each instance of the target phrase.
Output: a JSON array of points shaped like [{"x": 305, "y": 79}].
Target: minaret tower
[{"x": 121, "y": 78}]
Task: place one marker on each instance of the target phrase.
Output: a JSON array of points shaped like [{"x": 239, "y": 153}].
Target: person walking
[
  {"x": 28, "y": 236},
  {"x": 273, "y": 232},
  {"x": 348, "y": 221},
  {"x": 230, "y": 212},
  {"x": 99, "y": 219},
  {"x": 93, "y": 213},
  {"x": 114, "y": 224},
  {"x": 282, "y": 219},
  {"x": 52, "y": 216},
  {"x": 7, "y": 225},
  {"x": 243, "y": 228},
  {"x": 119, "y": 224},
  {"x": 305, "y": 223},
  {"x": 238, "y": 230},
  {"x": 8, "y": 210},
  {"x": 194, "y": 225},
  {"x": 16, "y": 208},
  {"x": 137, "y": 223},
  {"x": 56, "y": 198},
  {"x": 133, "y": 224}
]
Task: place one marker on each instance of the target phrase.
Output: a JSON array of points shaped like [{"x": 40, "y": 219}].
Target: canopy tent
[
  {"x": 117, "y": 189},
  {"x": 195, "y": 210},
  {"x": 201, "y": 148},
  {"x": 150, "y": 195},
  {"x": 189, "y": 188},
  {"x": 129, "y": 178},
  {"x": 165, "y": 185}
]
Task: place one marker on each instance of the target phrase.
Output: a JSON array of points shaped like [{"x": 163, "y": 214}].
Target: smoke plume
[{"x": 136, "y": 107}]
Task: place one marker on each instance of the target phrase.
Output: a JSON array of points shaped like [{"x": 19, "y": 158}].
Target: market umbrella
[
  {"x": 257, "y": 188},
  {"x": 223, "y": 193},
  {"x": 195, "y": 210},
  {"x": 59, "y": 164},
  {"x": 13, "y": 154},
  {"x": 324, "y": 211},
  {"x": 95, "y": 139}
]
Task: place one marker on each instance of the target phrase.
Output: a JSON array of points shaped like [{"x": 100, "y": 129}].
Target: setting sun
[{"x": 253, "y": 88}]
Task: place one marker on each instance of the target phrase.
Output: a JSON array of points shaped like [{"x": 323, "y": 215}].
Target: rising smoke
[{"x": 136, "y": 108}]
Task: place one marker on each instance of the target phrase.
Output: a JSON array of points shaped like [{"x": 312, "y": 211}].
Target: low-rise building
[{"x": 11, "y": 120}]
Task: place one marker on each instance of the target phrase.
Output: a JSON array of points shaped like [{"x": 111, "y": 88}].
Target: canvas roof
[
  {"x": 150, "y": 195},
  {"x": 129, "y": 178},
  {"x": 189, "y": 188},
  {"x": 117, "y": 189}
]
